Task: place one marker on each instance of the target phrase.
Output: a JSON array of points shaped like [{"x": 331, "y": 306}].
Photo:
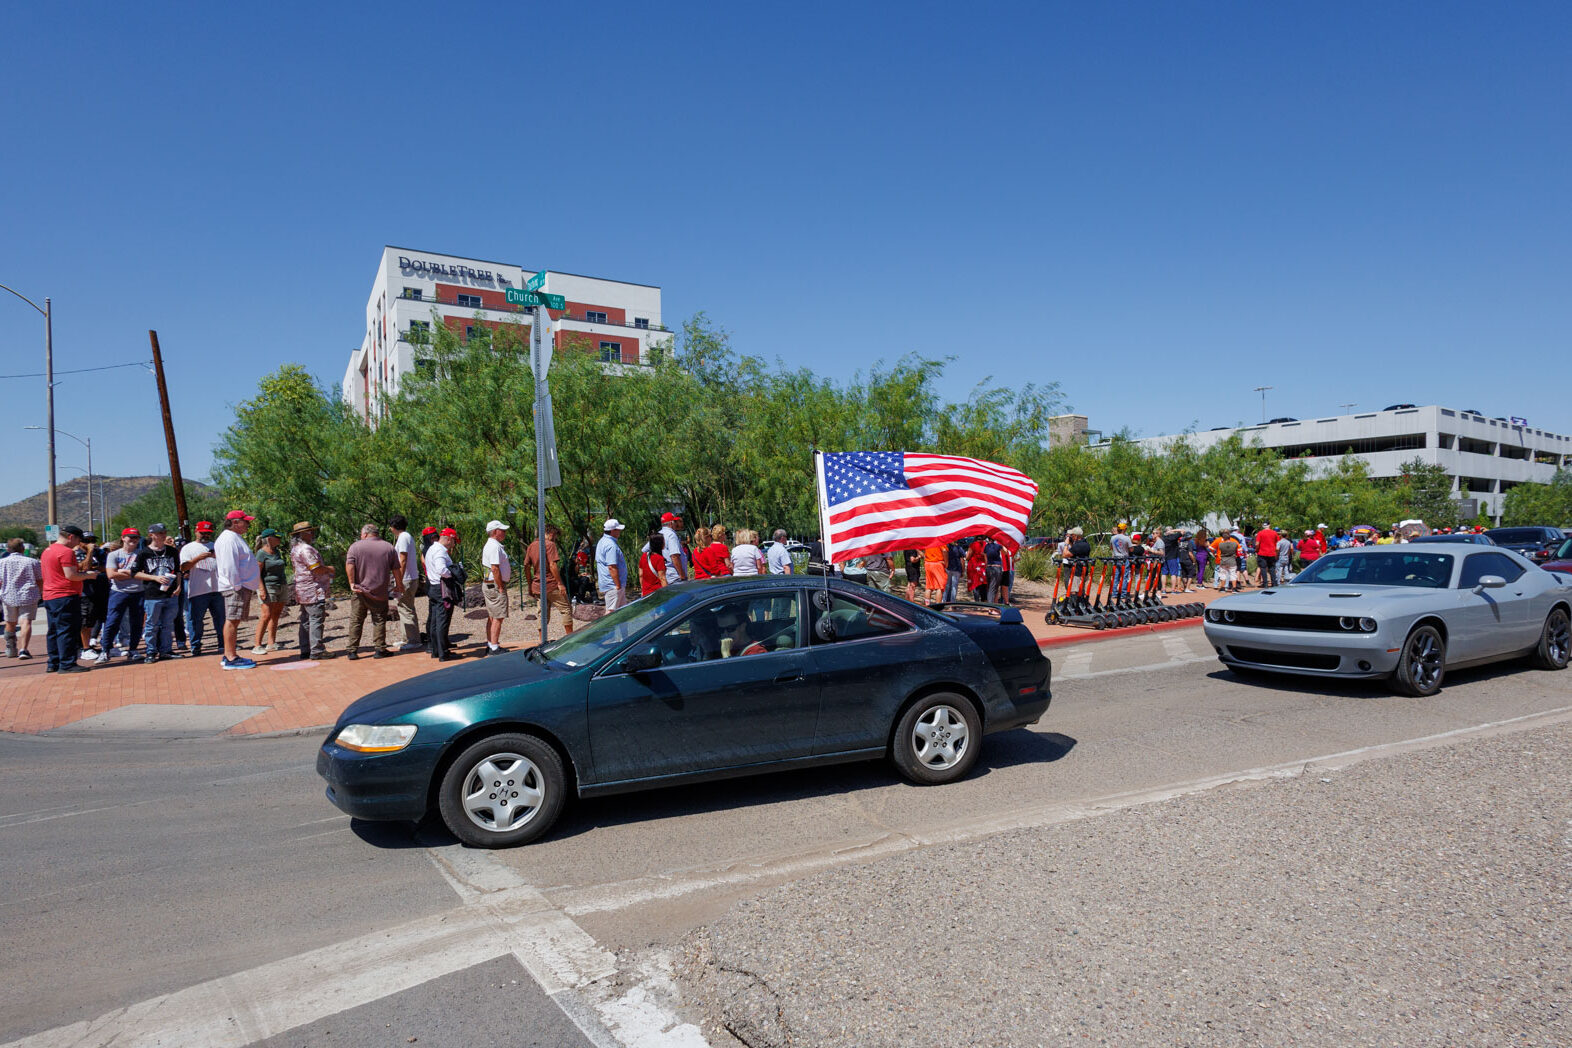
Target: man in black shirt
[
  {"x": 158, "y": 566},
  {"x": 954, "y": 568},
  {"x": 1171, "y": 571},
  {"x": 993, "y": 562}
]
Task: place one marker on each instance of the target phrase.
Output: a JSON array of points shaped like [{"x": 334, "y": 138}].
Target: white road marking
[
  {"x": 28, "y": 818},
  {"x": 1074, "y": 664},
  {"x": 1147, "y": 668},
  {"x": 1178, "y": 647}
]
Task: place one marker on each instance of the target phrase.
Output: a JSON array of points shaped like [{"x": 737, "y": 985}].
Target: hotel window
[
  {"x": 473, "y": 301},
  {"x": 413, "y": 292},
  {"x": 594, "y": 317},
  {"x": 611, "y": 352},
  {"x": 469, "y": 331},
  {"x": 641, "y": 322}
]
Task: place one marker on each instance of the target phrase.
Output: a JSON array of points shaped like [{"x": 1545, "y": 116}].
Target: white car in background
[{"x": 1408, "y": 612}]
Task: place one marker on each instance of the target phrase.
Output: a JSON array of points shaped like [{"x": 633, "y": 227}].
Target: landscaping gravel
[{"x": 1420, "y": 899}]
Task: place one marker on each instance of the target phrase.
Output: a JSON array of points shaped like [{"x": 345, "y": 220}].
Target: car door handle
[{"x": 791, "y": 677}]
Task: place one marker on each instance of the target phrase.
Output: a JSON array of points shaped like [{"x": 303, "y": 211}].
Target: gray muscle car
[{"x": 1409, "y": 612}]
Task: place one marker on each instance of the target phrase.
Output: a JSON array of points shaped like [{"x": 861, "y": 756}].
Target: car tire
[
  {"x": 497, "y": 814},
  {"x": 1422, "y": 664},
  {"x": 937, "y": 739},
  {"x": 1555, "y": 641}
]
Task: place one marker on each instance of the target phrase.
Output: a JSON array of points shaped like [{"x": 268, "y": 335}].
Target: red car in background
[{"x": 1561, "y": 559}]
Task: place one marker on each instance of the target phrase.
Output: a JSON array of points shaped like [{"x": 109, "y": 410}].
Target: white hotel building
[
  {"x": 619, "y": 321},
  {"x": 1485, "y": 457}
]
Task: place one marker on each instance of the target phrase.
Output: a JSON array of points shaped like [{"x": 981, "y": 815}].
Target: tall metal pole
[
  {"x": 89, "y": 443},
  {"x": 49, "y": 390},
  {"x": 1262, "y": 390},
  {"x": 540, "y": 471},
  {"x": 169, "y": 438}
]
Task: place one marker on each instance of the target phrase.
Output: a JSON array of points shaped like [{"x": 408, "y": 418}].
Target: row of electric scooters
[{"x": 1104, "y": 592}]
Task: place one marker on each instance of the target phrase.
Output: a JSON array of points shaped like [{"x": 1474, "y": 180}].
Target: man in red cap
[
  {"x": 444, "y": 591},
  {"x": 676, "y": 556},
  {"x": 125, "y": 598},
  {"x": 239, "y": 577},
  {"x": 203, "y": 601}
]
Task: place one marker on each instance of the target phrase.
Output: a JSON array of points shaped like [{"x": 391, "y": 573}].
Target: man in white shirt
[
  {"x": 238, "y": 577},
  {"x": 498, "y": 571},
  {"x": 409, "y": 571},
  {"x": 200, "y": 567},
  {"x": 611, "y": 567},
  {"x": 780, "y": 560},
  {"x": 439, "y": 566},
  {"x": 676, "y": 562}
]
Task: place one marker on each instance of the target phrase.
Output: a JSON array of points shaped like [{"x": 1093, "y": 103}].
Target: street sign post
[
  {"x": 536, "y": 282},
  {"x": 547, "y": 475},
  {"x": 516, "y": 297}
]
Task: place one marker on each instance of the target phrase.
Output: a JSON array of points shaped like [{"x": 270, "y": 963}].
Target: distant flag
[{"x": 880, "y": 501}]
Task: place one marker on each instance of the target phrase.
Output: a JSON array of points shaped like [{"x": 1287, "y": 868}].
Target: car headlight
[
  {"x": 376, "y": 738},
  {"x": 1213, "y": 615},
  {"x": 1348, "y": 622},
  {"x": 1228, "y": 616},
  {"x": 1367, "y": 624}
]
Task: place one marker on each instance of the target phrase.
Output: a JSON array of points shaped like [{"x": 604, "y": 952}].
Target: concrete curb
[{"x": 1122, "y": 631}]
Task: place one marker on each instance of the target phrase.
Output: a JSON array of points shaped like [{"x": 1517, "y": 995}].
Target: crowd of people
[
  {"x": 1187, "y": 555},
  {"x": 146, "y": 598}
]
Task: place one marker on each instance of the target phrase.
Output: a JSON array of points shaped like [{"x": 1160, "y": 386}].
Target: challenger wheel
[
  {"x": 1422, "y": 665},
  {"x": 1555, "y": 641}
]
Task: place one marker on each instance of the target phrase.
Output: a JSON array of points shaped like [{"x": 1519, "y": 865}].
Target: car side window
[
  {"x": 728, "y": 629},
  {"x": 855, "y": 620},
  {"x": 1478, "y": 565}
]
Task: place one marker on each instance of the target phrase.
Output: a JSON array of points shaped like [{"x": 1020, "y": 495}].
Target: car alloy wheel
[
  {"x": 503, "y": 790},
  {"x": 1422, "y": 664},
  {"x": 936, "y": 739},
  {"x": 1555, "y": 641}
]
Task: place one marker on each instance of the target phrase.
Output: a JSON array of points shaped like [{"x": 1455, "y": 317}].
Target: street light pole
[
  {"x": 1262, "y": 390},
  {"x": 49, "y": 386}
]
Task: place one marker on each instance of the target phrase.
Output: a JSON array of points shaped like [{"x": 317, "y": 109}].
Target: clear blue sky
[{"x": 1159, "y": 206}]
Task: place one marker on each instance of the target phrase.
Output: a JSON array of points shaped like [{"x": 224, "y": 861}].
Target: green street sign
[
  {"x": 533, "y": 298},
  {"x": 536, "y": 282}
]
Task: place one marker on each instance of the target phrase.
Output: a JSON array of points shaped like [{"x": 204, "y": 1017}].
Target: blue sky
[{"x": 1158, "y": 206}]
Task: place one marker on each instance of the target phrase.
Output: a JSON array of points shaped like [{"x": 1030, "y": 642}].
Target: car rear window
[{"x": 1505, "y": 535}]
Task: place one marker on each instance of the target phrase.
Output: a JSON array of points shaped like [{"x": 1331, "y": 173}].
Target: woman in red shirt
[
  {"x": 714, "y": 559},
  {"x": 652, "y": 566},
  {"x": 977, "y": 571}
]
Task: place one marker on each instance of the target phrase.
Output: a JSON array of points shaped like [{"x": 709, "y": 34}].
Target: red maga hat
[
  {"x": 129, "y": 531},
  {"x": 428, "y": 530},
  {"x": 238, "y": 514},
  {"x": 204, "y": 525},
  {"x": 450, "y": 531}
]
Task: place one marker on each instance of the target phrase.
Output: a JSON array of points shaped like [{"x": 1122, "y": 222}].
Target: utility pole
[
  {"x": 49, "y": 388},
  {"x": 169, "y": 438},
  {"x": 1347, "y": 407},
  {"x": 1262, "y": 390}
]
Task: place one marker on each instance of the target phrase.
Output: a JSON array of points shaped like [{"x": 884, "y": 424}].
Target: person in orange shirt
[{"x": 933, "y": 573}]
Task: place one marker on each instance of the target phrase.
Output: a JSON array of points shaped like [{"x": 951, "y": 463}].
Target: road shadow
[
  {"x": 1344, "y": 687},
  {"x": 1004, "y": 750}
]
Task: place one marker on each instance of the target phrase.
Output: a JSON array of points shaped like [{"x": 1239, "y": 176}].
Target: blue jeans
[
  {"x": 952, "y": 583},
  {"x": 159, "y": 637},
  {"x": 122, "y": 605},
  {"x": 199, "y": 608},
  {"x": 65, "y": 630}
]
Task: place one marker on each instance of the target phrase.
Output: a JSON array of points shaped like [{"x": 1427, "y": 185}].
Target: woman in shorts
[{"x": 272, "y": 564}]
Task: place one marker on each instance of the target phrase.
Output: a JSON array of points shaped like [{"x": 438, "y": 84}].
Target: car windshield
[
  {"x": 1520, "y": 536},
  {"x": 1384, "y": 568},
  {"x": 1565, "y": 552},
  {"x": 606, "y": 634}
]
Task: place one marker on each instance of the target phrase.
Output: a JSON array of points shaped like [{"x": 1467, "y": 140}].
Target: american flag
[{"x": 879, "y": 501}]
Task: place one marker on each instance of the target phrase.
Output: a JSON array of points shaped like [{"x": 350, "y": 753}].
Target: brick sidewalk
[{"x": 299, "y": 695}]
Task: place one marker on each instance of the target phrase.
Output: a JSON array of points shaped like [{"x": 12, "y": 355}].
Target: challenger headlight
[
  {"x": 1213, "y": 615},
  {"x": 376, "y": 738},
  {"x": 1367, "y": 624},
  {"x": 1348, "y": 622},
  {"x": 1228, "y": 616}
]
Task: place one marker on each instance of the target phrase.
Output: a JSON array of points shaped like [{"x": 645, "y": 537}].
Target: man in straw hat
[{"x": 312, "y": 579}]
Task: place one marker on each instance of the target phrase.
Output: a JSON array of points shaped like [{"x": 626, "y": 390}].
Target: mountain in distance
[{"x": 71, "y": 500}]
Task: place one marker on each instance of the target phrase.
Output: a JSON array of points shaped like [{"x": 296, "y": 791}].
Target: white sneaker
[
  {"x": 101, "y": 657},
  {"x": 260, "y": 649}
]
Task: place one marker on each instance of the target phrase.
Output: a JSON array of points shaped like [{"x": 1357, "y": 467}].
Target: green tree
[
  {"x": 157, "y": 506},
  {"x": 1547, "y": 504}
]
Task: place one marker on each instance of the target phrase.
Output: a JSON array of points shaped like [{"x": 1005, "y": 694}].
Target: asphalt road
[{"x": 202, "y": 891}]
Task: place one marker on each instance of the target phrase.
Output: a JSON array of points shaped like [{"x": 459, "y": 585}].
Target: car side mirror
[
  {"x": 643, "y": 660},
  {"x": 1489, "y": 582}
]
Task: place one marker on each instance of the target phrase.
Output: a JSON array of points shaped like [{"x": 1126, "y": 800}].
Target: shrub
[{"x": 1033, "y": 565}]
